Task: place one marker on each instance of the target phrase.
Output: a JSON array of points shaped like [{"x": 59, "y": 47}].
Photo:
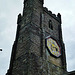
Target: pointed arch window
[{"x": 50, "y": 24}]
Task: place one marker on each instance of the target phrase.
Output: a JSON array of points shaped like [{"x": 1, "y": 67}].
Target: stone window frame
[{"x": 50, "y": 24}]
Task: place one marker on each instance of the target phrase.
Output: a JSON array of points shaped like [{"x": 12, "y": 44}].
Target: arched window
[{"x": 50, "y": 24}]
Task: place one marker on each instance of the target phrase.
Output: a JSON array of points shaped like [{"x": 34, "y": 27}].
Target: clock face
[{"x": 53, "y": 47}]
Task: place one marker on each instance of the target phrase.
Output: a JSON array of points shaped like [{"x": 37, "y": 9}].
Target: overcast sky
[{"x": 9, "y": 10}]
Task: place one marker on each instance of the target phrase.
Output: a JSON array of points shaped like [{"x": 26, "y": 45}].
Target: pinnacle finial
[{"x": 59, "y": 16}]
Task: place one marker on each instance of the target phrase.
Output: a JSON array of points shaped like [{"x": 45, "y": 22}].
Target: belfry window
[{"x": 50, "y": 24}]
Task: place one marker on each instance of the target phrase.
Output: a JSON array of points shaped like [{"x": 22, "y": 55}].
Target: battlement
[{"x": 57, "y": 17}]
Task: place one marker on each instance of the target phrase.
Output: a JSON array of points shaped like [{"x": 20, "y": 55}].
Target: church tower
[{"x": 38, "y": 48}]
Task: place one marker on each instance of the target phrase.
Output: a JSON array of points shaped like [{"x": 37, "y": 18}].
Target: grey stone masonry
[{"x": 29, "y": 53}]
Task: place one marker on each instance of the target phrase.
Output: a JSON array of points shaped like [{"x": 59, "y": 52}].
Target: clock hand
[{"x": 55, "y": 48}]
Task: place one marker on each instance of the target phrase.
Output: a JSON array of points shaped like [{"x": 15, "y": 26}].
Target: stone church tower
[{"x": 38, "y": 48}]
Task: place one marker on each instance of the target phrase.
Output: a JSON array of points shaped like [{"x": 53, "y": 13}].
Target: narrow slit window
[{"x": 50, "y": 24}]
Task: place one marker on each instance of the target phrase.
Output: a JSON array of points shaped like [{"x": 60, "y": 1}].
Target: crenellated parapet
[{"x": 57, "y": 17}]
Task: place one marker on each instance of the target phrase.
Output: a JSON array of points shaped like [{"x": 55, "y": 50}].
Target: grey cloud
[{"x": 9, "y": 10}]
